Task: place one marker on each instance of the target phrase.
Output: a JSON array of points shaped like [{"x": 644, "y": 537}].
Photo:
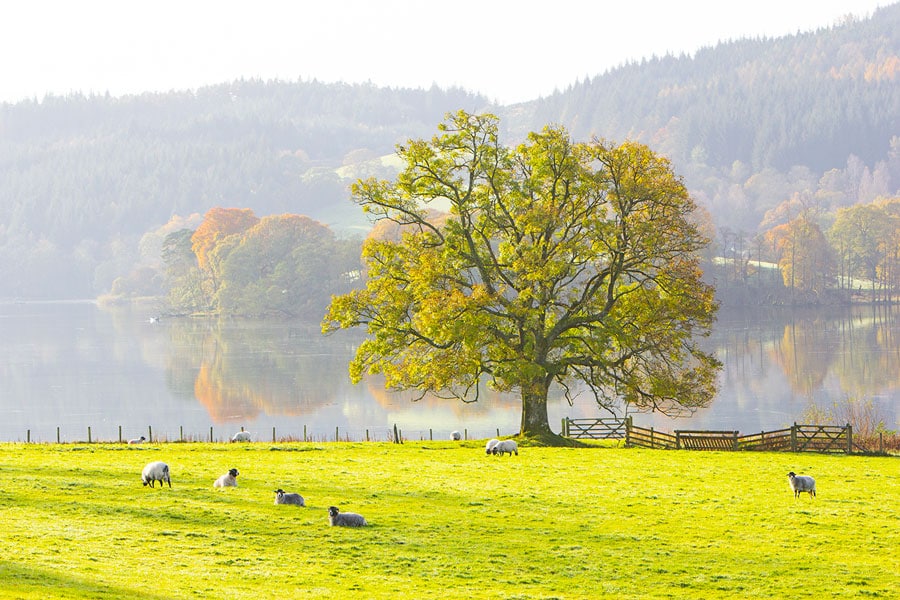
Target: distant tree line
[{"x": 235, "y": 263}]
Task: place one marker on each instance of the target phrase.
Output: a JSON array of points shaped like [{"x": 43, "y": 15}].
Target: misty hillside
[{"x": 750, "y": 124}]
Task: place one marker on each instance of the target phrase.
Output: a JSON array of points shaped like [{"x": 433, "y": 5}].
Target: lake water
[{"x": 74, "y": 365}]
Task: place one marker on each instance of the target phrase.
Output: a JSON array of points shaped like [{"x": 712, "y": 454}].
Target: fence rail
[{"x": 797, "y": 438}]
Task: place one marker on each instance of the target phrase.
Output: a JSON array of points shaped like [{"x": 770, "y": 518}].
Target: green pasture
[{"x": 447, "y": 521}]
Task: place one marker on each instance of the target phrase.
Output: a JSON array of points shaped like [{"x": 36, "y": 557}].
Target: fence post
[
  {"x": 89, "y": 434},
  {"x": 120, "y": 434},
  {"x": 210, "y": 435},
  {"x": 150, "y": 433},
  {"x": 678, "y": 440},
  {"x": 628, "y": 430},
  {"x": 794, "y": 437},
  {"x": 466, "y": 434},
  {"x": 735, "y": 441},
  {"x": 29, "y": 436},
  {"x": 57, "y": 434},
  {"x": 849, "y": 438},
  {"x": 304, "y": 433},
  {"x": 652, "y": 442},
  {"x": 181, "y": 433},
  {"x": 273, "y": 435}
]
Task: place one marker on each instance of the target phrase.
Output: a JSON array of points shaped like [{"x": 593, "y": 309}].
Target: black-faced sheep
[
  {"x": 488, "y": 448},
  {"x": 282, "y": 497},
  {"x": 156, "y": 471},
  {"x": 505, "y": 447},
  {"x": 229, "y": 479},
  {"x": 455, "y": 436},
  {"x": 339, "y": 519},
  {"x": 802, "y": 483},
  {"x": 241, "y": 436},
  {"x": 139, "y": 440}
]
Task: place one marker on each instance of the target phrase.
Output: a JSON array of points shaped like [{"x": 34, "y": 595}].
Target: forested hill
[
  {"x": 810, "y": 99},
  {"x": 752, "y": 125},
  {"x": 84, "y": 177}
]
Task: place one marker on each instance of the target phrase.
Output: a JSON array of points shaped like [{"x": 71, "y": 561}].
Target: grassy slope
[{"x": 446, "y": 521}]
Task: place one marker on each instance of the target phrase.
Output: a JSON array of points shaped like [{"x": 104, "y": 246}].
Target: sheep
[
  {"x": 455, "y": 436},
  {"x": 802, "y": 483},
  {"x": 139, "y": 440},
  {"x": 339, "y": 519},
  {"x": 156, "y": 471},
  {"x": 282, "y": 497},
  {"x": 505, "y": 446},
  {"x": 229, "y": 479},
  {"x": 241, "y": 436},
  {"x": 490, "y": 446}
]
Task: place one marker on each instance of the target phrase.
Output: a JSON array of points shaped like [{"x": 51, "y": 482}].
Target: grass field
[{"x": 446, "y": 521}]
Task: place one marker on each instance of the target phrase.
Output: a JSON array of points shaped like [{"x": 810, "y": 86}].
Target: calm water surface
[{"x": 74, "y": 365}]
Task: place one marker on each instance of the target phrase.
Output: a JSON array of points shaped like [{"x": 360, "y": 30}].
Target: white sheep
[
  {"x": 506, "y": 446},
  {"x": 229, "y": 479},
  {"x": 282, "y": 497},
  {"x": 490, "y": 446},
  {"x": 156, "y": 471},
  {"x": 339, "y": 519},
  {"x": 802, "y": 483},
  {"x": 455, "y": 436},
  {"x": 241, "y": 436},
  {"x": 139, "y": 440}
]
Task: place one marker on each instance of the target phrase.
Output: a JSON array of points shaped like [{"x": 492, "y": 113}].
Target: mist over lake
[{"x": 74, "y": 365}]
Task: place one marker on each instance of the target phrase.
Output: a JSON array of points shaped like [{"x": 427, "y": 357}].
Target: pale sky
[{"x": 511, "y": 51}]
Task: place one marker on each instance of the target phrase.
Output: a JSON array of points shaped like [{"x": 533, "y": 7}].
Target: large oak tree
[{"x": 559, "y": 262}]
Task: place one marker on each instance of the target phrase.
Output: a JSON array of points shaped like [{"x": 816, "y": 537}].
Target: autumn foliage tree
[{"x": 560, "y": 262}]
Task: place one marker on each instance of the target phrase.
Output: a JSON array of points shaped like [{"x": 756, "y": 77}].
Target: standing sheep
[
  {"x": 229, "y": 479},
  {"x": 802, "y": 483},
  {"x": 156, "y": 471},
  {"x": 241, "y": 436},
  {"x": 490, "y": 446},
  {"x": 339, "y": 519},
  {"x": 506, "y": 446},
  {"x": 282, "y": 497}
]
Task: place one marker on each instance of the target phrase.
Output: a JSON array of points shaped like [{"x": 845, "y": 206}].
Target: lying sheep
[
  {"x": 490, "y": 446},
  {"x": 241, "y": 436},
  {"x": 229, "y": 479},
  {"x": 455, "y": 436},
  {"x": 506, "y": 446},
  {"x": 282, "y": 497},
  {"x": 156, "y": 471},
  {"x": 802, "y": 483},
  {"x": 339, "y": 519},
  {"x": 139, "y": 440}
]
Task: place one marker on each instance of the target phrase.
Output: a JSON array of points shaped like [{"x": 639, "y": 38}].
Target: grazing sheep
[
  {"x": 802, "y": 483},
  {"x": 229, "y": 479},
  {"x": 156, "y": 471},
  {"x": 139, "y": 440},
  {"x": 490, "y": 446},
  {"x": 455, "y": 436},
  {"x": 505, "y": 446},
  {"x": 339, "y": 519},
  {"x": 241, "y": 436},
  {"x": 282, "y": 497}
]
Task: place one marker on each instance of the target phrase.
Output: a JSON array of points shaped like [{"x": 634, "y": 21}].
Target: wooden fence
[{"x": 797, "y": 438}]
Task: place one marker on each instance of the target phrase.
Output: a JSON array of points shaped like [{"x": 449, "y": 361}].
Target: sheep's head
[
  {"x": 792, "y": 474},
  {"x": 332, "y": 511},
  {"x": 233, "y": 472},
  {"x": 279, "y": 492}
]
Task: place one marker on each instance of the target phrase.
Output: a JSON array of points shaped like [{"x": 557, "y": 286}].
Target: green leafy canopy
[{"x": 556, "y": 262}]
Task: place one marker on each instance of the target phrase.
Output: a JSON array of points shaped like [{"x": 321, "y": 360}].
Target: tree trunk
[{"x": 535, "y": 422}]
